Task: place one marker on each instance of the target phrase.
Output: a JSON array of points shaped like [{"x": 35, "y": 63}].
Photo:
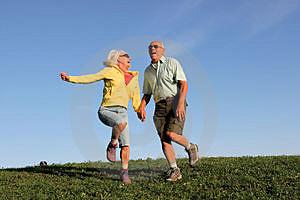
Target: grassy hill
[{"x": 273, "y": 177}]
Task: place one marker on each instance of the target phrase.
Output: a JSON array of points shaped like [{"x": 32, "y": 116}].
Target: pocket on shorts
[
  {"x": 159, "y": 123},
  {"x": 175, "y": 125},
  {"x": 160, "y": 110}
]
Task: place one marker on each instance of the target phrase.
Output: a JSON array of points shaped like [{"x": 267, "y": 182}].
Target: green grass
[{"x": 273, "y": 177}]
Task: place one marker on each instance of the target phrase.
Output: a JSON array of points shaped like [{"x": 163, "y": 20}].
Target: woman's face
[{"x": 124, "y": 60}]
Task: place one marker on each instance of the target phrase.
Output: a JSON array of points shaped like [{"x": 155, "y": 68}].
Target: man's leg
[
  {"x": 174, "y": 132},
  {"x": 169, "y": 152},
  {"x": 179, "y": 139},
  {"x": 160, "y": 118},
  {"x": 191, "y": 149},
  {"x": 174, "y": 173}
]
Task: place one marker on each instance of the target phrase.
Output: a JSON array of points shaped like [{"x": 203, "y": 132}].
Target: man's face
[{"x": 156, "y": 51}]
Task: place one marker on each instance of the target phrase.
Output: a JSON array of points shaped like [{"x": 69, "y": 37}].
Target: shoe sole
[
  {"x": 126, "y": 183},
  {"x": 111, "y": 160},
  {"x": 178, "y": 178},
  {"x": 107, "y": 157}
]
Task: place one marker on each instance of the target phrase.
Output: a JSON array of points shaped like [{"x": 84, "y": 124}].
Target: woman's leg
[
  {"x": 116, "y": 132},
  {"x": 124, "y": 154},
  {"x": 124, "y": 141},
  {"x": 113, "y": 117}
]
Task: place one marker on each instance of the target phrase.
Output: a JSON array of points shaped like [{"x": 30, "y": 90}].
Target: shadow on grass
[{"x": 92, "y": 172}]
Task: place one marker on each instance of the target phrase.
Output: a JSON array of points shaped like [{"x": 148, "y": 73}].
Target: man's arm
[
  {"x": 142, "y": 110},
  {"x": 180, "y": 110}
]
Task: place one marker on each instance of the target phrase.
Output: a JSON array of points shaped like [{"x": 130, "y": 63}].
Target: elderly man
[{"x": 164, "y": 78}]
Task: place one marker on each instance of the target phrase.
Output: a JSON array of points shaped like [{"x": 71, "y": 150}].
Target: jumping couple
[{"x": 165, "y": 80}]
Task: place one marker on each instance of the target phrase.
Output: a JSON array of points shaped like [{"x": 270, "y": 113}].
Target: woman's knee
[{"x": 121, "y": 126}]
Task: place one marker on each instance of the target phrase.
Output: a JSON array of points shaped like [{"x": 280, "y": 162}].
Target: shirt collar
[
  {"x": 134, "y": 73},
  {"x": 161, "y": 60}
]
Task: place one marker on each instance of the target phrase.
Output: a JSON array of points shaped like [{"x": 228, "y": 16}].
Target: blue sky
[{"x": 241, "y": 59}]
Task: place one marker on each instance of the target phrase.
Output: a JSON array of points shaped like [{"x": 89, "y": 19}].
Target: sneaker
[
  {"x": 125, "y": 177},
  {"x": 111, "y": 152},
  {"x": 193, "y": 154},
  {"x": 168, "y": 173},
  {"x": 174, "y": 175}
]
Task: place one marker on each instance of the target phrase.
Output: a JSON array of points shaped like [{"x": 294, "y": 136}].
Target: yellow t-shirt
[{"x": 115, "y": 91}]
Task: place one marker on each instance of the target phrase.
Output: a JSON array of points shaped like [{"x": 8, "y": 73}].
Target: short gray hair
[{"x": 161, "y": 43}]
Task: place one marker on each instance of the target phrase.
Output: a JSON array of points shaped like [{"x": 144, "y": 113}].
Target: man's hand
[
  {"x": 180, "y": 111},
  {"x": 142, "y": 109},
  {"x": 64, "y": 76},
  {"x": 142, "y": 114}
]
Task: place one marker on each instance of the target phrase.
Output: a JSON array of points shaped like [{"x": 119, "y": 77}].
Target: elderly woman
[{"x": 120, "y": 85}]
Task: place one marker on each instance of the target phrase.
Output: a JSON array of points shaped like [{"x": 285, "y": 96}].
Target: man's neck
[{"x": 156, "y": 61}]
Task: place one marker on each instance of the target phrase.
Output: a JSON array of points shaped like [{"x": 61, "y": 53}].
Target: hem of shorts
[
  {"x": 113, "y": 105},
  {"x": 124, "y": 145},
  {"x": 175, "y": 132}
]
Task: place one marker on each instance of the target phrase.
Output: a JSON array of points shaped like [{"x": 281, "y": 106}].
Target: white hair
[
  {"x": 161, "y": 43},
  {"x": 112, "y": 58}
]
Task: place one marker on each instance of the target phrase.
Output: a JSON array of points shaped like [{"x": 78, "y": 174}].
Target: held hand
[
  {"x": 142, "y": 114},
  {"x": 64, "y": 76},
  {"x": 180, "y": 112},
  {"x": 139, "y": 115}
]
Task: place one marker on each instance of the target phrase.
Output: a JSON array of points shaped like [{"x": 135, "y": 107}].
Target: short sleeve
[
  {"x": 179, "y": 74},
  {"x": 146, "y": 85}
]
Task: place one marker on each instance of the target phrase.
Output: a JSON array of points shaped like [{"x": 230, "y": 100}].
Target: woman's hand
[
  {"x": 64, "y": 76},
  {"x": 142, "y": 114}
]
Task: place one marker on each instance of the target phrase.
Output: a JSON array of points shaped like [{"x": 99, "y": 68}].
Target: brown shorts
[{"x": 165, "y": 117}]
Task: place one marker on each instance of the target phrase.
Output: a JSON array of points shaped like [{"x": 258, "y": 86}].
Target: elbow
[
  {"x": 183, "y": 86},
  {"x": 186, "y": 87}
]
